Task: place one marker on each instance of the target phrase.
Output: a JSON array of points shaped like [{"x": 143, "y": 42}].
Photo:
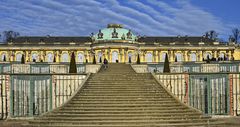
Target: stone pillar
[
  {"x": 169, "y": 56},
  {"x": 29, "y": 56},
  {"x": 154, "y": 56},
  {"x": 85, "y": 56},
  {"x": 143, "y": 55},
  {"x": 103, "y": 54},
  {"x": 109, "y": 54},
  {"x": 159, "y": 55},
  {"x": 218, "y": 54},
  {"x": 125, "y": 55},
  {"x": 199, "y": 56},
  {"x": 186, "y": 55},
  {"x": 232, "y": 57},
  {"x": 58, "y": 59},
  {"x": 9, "y": 56},
  {"x": 189, "y": 56},
  {"x": 215, "y": 54},
  {"x": 172, "y": 56},
  {"x": 229, "y": 55},
  {"x": 120, "y": 55}
]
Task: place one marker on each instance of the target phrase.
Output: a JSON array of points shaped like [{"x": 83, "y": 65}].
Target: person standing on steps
[{"x": 105, "y": 62}]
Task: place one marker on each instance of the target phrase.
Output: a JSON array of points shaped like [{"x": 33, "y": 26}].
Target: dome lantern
[{"x": 116, "y": 33}]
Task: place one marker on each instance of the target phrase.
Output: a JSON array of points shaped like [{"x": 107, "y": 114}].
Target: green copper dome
[{"x": 114, "y": 32}]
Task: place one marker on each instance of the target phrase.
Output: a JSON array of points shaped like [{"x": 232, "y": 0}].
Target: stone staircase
[{"x": 119, "y": 97}]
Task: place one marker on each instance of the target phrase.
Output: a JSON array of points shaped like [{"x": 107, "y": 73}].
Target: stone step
[
  {"x": 126, "y": 97},
  {"x": 126, "y": 75},
  {"x": 126, "y": 113},
  {"x": 74, "y": 118},
  {"x": 120, "y": 122},
  {"x": 109, "y": 88},
  {"x": 199, "y": 124},
  {"x": 72, "y": 104},
  {"x": 126, "y": 109},
  {"x": 123, "y": 81},
  {"x": 76, "y": 103},
  {"x": 119, "y": 97},
  {"x": 123, "y": 91},
  {"x": 121, "y": 102}
]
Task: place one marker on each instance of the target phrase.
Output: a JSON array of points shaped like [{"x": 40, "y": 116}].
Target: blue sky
[{"x": 144, "y": 17}]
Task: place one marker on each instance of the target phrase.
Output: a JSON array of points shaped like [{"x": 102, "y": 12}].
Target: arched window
[
  {"x": 50, "y": 57},
  {"x": 193, "y": 57},
  {"x": 179, "y": 57},
  {"x": 18, "y": 57},
  {"x": 99, "y": 56},
  {"x": 80, "y": 57},
  {"x": 149, "y": 57},
  {"x": 65, "y": 57},
  {"x": 35, "y": 57},
  {"x": 114, "y": 56},
  {"x": 207, "y": 56},
  {"x": 130, "y": 57},
  {"x": 163, "y": 57},
  {"x": 222, "y": 55},
  {"x": 3, "y": 56}
]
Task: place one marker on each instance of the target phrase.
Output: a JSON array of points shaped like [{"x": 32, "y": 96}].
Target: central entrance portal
[{"x": 114, "y": 56}]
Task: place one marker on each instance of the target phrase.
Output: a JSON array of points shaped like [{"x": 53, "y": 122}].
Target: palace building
[
  {"x": 116, "y": 43},
  {"x": 36, "y": 81}
]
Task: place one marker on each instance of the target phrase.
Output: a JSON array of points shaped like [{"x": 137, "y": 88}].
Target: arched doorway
[
  {"x": 80, "y": 57},
  {"x": 207, "y": 56},
  {"x": 149, "y": 57},
  {"x": 34, "y": 57},
  {"x": 193, "y": 57},
  {"x": 130, "y": 57},
  {"x": 50, "y": 57},
  {"x": 179, "y": 57},
  {"x": 3, "y": 57},
  {"x": 163, "y": 57},
  {"x": 65, "y": 57},
  {"x": 114, "y": 56},
  {"x": 222, "y": 56},
  {"x": 18, "y": 57}
]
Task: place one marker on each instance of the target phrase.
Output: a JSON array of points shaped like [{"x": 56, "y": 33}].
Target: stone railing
[
  {"x": 196, "y": 67},
  {"x": 93, "y": 68},
  {"x": 39, "y": 68},
  {"x": 28, "y": 95},
  {"x": 140, "y": 68},
  {"x": 212, "y": 93}
]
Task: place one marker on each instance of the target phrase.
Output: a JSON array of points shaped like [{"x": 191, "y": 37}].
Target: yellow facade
[
  {"x": 104, "y": 45},
  {"x": 122, "y": 55}
]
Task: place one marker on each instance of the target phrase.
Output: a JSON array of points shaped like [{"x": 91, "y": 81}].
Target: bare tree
[
  {"x": 236, "y": 34},
  {"x": 8, "y": 35},
  {"x": 212, "y": 34}
]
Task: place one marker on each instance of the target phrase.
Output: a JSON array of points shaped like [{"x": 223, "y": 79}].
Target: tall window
[
  {"x": 80, "y": 57},
  {"x": 99, "y": 56},
  {"x": 206, "y": 55},
  {"x": 65, "y": 57},
  {"x": 163, "y": 57},
  {"x": 130, "y": 57},
  {"x": 149, "y": 57},
  {"x": 2, "y": 57},
  {"x": 222, "y": 55},
  {"x": 50, "y": 57},
  {"x": 193, "y": 57},
  {"x": 35, "y": 57},
  {"x": 179, "y": 57},
  {"x": 114, "y": 56},
  {"x": 18, "y": 57}
]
